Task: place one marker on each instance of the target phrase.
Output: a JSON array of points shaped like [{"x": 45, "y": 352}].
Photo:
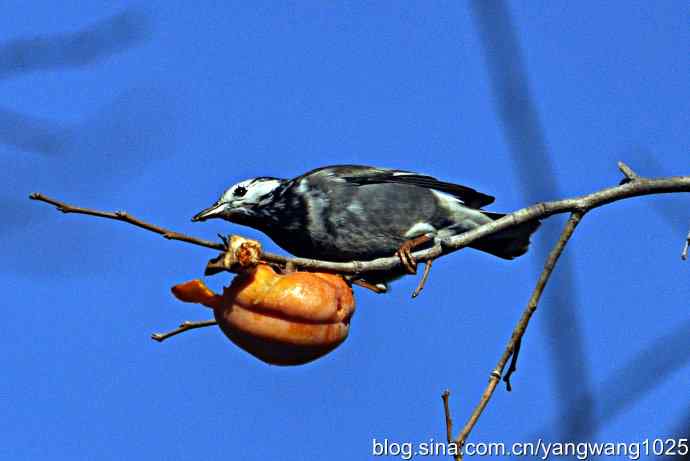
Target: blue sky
[{"x": 205, "y": 94}]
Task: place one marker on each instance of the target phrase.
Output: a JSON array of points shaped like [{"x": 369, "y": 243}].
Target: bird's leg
[
  {"x": 405, "y": 252},
  {"x": 425, "y": 276}
]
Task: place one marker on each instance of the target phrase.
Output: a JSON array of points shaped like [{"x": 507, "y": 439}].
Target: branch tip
[
  {"x": 184, "y": 326},
  {"x": 446, "y": 410},
  {"x": 628, "y": 172}
]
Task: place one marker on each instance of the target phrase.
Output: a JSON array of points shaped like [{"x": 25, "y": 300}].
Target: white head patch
[{"x": 249, "y": 191}]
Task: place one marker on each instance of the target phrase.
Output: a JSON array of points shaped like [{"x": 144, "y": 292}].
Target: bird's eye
[{"x": 240, "y": 191}]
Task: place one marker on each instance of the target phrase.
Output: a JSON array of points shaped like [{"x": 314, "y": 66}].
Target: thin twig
[
  {"x": 630, "y": 175},
  {"x": 637, "y": 188},
  {"x": 185, "y": 326},
  {"x": 124, "y": 217},
  {"x": 369, "y": 286},
  {"x": 521, "y": 327},
  {"x": 425, "y": 276},
  {"x": 684, "y": 254},
  {"x": 513, "y": 365},
  {"x": 449, "y": 421}
]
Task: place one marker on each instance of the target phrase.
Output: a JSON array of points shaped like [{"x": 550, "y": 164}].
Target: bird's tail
[{"x": 509, "y": 243}]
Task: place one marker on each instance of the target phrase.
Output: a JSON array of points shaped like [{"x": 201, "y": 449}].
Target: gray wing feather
[{"x": 364, "y": 175}]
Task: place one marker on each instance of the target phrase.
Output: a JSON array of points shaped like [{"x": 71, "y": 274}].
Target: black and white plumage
[{"x": 352, "y": 212}]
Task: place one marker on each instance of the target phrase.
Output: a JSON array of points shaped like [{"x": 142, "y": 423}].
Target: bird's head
[{"x": 243, "y": 201}]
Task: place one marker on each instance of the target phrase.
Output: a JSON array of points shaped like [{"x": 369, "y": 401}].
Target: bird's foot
[
  {"x": 405, "y": 252},
  {"x": 406, "y": 259}
]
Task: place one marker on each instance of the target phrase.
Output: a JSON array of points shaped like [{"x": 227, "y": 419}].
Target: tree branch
[
  {"x": 449, "y": 421},
  {"x": 633, "y": 188},
  {"x": 630, "y": 175},
  {"x": 185, "y": 326},
  {"x": 513, "y": 365},
  {"x": 124, "y": 217},
  {"x": 520, "y": 328}
]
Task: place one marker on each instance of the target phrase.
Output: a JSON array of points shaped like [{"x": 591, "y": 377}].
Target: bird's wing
[{"x": 363, "y": 175}]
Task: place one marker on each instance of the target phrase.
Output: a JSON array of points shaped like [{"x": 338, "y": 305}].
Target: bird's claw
[
  {"x": 405, "y": 252},
  {"x": 406, "y": 259}
]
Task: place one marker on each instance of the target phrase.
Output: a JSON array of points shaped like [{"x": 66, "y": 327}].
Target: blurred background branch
[
  {"x": 113, "y": 145},
  {"x": 538, "y": 177},
  {"x": 75, "y": 49},
  {"x": 578, "y": 419}
]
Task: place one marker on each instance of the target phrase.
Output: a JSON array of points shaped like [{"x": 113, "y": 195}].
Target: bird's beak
[{"x": 210, "y": 212}]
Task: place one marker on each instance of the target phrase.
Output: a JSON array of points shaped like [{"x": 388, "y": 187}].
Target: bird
[{"x": 358, "y": 213}]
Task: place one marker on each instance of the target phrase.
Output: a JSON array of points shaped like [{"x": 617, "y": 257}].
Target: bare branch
[
  {"x": 630, "y": 175},
  {"x": 521, "y": 327},
  {"x": 513, "y": 365},
  {"x": 637, "y": 188},
  {"x": 449, "y": 421},
  {"x": 185, "y": 326},
  {"x": 124, "y": 217}
]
